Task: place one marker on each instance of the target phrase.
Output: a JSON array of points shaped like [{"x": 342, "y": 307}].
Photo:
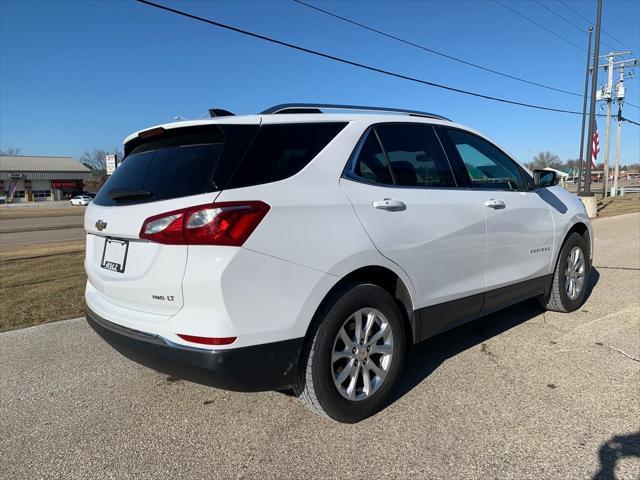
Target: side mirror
[{"x": 545, "y": 178}]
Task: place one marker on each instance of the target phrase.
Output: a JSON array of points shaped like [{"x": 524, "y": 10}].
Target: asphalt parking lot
[{"x": 519, "y": 394}]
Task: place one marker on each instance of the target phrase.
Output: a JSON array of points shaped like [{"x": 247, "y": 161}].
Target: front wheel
[
  {"x": 354, "y": 355},
  {"x": 569, "y": 288}
]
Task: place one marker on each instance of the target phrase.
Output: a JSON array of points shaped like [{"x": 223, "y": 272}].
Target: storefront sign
[{"x": 62, "y": 185}]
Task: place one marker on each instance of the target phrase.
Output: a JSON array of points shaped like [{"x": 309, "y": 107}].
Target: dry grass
[
  {"x": 20, "y": 252},
  {"x": 611, "y": 206},
  {"x": 41, "y": 283},
  {"x": 7, "y": 213}
]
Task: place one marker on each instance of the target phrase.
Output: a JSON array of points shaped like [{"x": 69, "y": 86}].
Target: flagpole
[
  {"x": 592, "y": 106},
  {"x": 584, "y": 113}
]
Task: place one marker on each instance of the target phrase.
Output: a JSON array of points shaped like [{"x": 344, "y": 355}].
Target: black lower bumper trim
[{"x": 271, "y": 366}]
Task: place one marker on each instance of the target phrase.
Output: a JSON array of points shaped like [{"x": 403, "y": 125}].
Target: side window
[
  {"x": 486, "y": 165},
  {"x": 371, "y": 164},
  {"x": 282, "y": 150},
  {"x": 415, "y": 155}
]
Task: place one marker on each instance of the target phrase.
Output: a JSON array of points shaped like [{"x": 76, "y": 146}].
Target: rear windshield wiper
[{"x": 118, "y": 193}]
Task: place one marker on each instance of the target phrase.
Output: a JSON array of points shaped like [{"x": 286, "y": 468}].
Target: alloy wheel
[{"x": 362, "y": 354}]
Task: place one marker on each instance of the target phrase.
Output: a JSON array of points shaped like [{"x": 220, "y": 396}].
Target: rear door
[
  {"x": 520, "y": 228},
  {"x": 405, "y": 195},
  {"x": 175, "y": 170}
]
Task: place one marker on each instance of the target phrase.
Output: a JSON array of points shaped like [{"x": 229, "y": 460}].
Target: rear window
[{"x": 192, "y": 162}]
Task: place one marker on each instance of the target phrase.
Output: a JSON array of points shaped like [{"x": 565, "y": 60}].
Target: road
[
  {"x": 26, "y": 231},
  {"x": 521, "y": 394}
]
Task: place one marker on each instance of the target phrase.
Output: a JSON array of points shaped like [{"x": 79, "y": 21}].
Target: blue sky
[{"x": 80, "y": 75}]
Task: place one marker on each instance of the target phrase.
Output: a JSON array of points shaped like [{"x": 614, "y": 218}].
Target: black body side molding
[{"x": 435, "y": 319}]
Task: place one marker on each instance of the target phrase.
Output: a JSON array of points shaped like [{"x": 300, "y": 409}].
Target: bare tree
[
  {"x": 95, "y": 160},
  {"x": 546, "y": 159},
  {"x": 11, "y": 151}
]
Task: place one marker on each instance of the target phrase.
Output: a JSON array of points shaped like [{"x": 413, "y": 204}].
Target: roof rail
[{"x": 318, "y": 107}]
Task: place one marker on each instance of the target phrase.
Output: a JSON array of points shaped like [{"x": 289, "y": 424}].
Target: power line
[
  {"x": 539, "y": 25},
  {"x": 591, "y": 23},
  {"x": 352, "y": 63},
  {"x": 630, "y": 121},
  {"x": 577, "y": 27},
  {"x": 435, "y": 52}
]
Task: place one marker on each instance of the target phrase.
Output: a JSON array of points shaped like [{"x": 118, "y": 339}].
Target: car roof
[
  {"x": 281, "y": 118},
  {"x": 284, "y": 118}
]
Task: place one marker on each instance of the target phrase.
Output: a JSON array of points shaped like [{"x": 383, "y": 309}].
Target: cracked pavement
[{"x": 519, "y": 394}]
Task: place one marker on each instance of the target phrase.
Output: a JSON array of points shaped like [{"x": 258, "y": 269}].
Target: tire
[
  {"x": 560, "y": 298},
  {"x": 317, "y": 386}
]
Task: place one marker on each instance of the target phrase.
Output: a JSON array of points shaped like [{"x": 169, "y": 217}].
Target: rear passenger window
[
  {"x": 415, "y": 156},
  {"x": 371, "y": 164},
  {"x": 280, "y": 151}
]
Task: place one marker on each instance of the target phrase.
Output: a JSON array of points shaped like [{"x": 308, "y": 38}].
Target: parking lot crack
[{"x": 631, "y": 357}]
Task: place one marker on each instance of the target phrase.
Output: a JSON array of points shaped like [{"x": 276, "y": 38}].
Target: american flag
[{"x": 596, "y": 146}]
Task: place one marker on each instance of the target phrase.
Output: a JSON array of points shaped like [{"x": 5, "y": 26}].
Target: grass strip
[{"x": 41, "y": 284}]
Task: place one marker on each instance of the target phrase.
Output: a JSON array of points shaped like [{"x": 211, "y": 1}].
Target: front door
[{"x": 520, "y": 227}]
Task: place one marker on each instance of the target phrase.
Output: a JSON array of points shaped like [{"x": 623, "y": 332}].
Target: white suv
[{"x": 307, "y": 251}]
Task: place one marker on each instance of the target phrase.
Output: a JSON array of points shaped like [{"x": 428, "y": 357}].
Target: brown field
[
  {"x": 612, "y": 206},
  {"x": 37, "y": 212},
  {"x": 41, "y": 283}
]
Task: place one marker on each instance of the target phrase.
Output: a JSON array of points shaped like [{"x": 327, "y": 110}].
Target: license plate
[{"x": 114, "y": 256}]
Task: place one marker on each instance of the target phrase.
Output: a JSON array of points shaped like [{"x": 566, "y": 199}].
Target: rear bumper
[{"x": 271, "y": 366}]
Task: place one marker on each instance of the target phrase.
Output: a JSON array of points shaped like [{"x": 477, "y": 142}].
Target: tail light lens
[{"x": 223, "y": 223}]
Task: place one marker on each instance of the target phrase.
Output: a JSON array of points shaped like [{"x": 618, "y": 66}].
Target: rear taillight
[{"x": 224, "y": 223}]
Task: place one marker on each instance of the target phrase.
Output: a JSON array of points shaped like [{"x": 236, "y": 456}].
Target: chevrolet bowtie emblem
[{"x": 100, "y": 225}]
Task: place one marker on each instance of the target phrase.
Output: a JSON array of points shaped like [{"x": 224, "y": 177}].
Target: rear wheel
[
  {"x": 354, "y": 355},
  {"x": 569, "y": 288}
]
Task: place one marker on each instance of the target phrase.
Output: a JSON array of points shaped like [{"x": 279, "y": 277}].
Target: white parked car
[
  {"x": 308, "y": 251},
  {"x": 81, "y": 200}
]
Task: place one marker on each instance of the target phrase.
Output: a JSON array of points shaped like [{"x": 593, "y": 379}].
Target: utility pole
[
  {"x": 616, "y": 171},
  {"x": 606, "y": 93},
  {"x": 620, "y": 93},
  {"x": 584, "y": 111},
  {"x": 592, "y": 206}
]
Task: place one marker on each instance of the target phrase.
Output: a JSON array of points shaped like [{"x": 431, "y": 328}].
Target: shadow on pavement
[
  {"x": 617, "y": 447},
  {"x": 428, "y": 355}
]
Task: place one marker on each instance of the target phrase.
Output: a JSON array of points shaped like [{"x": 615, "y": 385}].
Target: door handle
[
  {"x": 390, "y": 205},
  {"x": 495, "y": 204}
]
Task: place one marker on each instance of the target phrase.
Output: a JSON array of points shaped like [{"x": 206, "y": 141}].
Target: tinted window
[
  {"x": 196, "y": 160},
  {"x": 165, "y": 173},
  {"x": 371, "y": 164},
  {"x": 180, "y": 162},
  {"x": 280, "y": 151},
  {"x": 486, "y": 165},
  {"x": 415, "y": 156}
]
